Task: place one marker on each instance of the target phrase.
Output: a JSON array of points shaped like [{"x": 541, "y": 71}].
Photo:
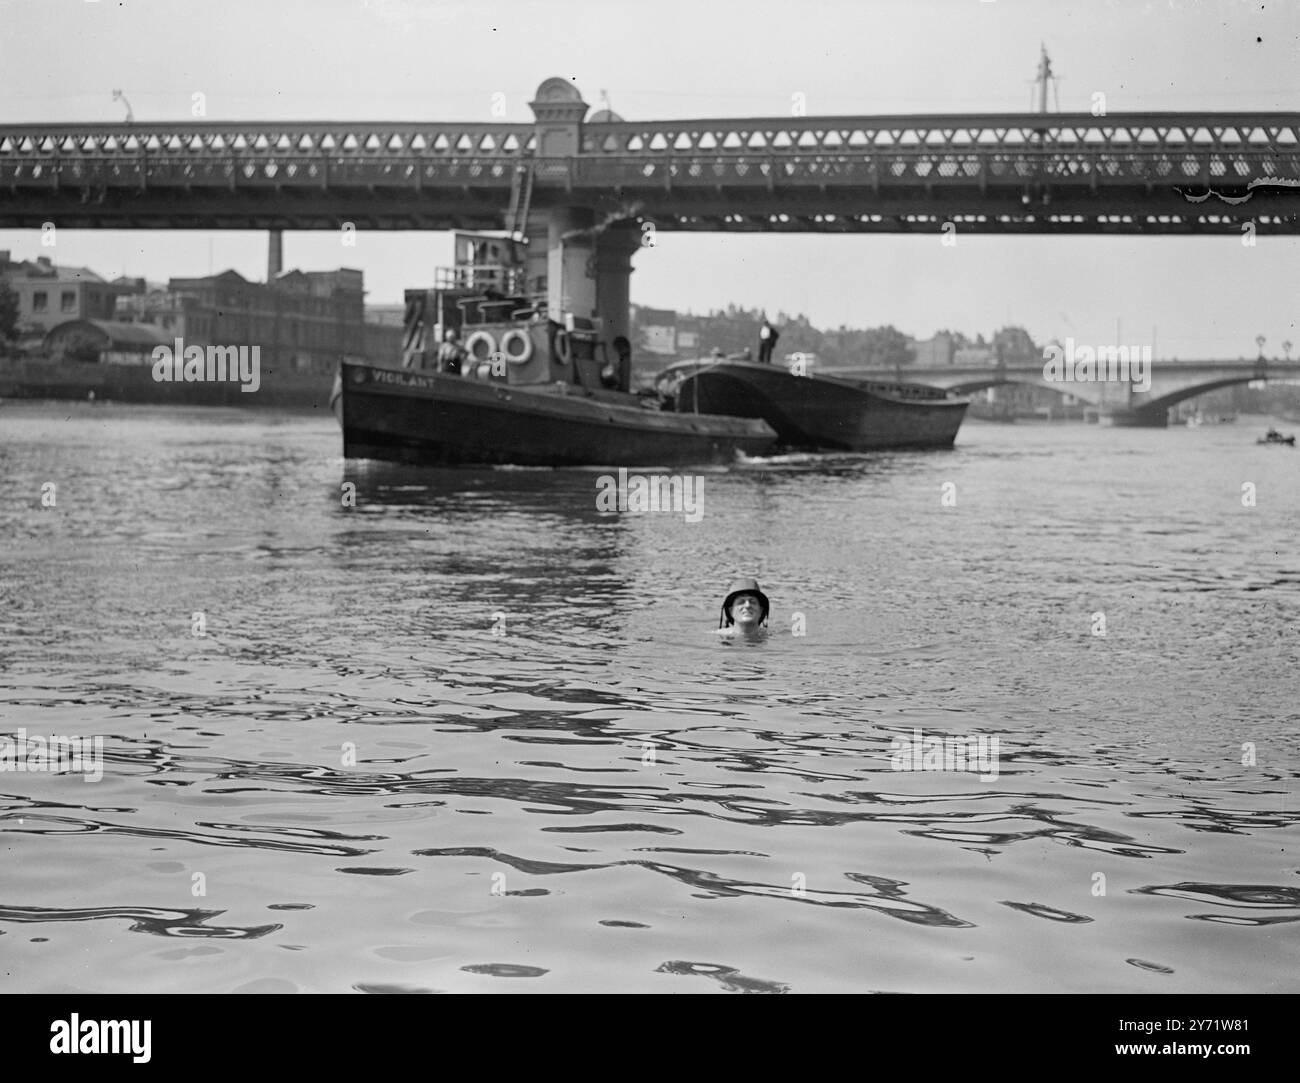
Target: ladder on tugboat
[
  {"x": 415, "y": 329},
  {"x": 521, "y": 197}
]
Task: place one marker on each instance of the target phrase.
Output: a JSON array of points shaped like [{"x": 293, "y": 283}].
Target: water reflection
[
  {"x": 731, "y": 979},
  {"x": 155, "y": 922},
  {"x": 1238, "y": 896}
]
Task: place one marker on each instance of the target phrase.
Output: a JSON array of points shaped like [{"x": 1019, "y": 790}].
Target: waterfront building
[
  {"x": 974, "y": 356},
  {"x": 155, "y": 305},
  {"x": 307, "y": 321},
  {"x": 386, "y": 315},
  {"x": 661, "y": 336},
  {"x": 934, "y": 352},
  {"x": 107, "y": 341},
  {"x": 657, "y": 330},
  {"x": 304, "y": 321},
  {"x": 50, "y": 294}
]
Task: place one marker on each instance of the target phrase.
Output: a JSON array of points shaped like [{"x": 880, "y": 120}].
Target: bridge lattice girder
[{"x": 990, "y": 173}]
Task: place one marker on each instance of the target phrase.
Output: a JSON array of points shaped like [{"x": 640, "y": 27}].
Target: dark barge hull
[
  {"x": 435, "y": 419},
  {"x": 824, "y": 412}
]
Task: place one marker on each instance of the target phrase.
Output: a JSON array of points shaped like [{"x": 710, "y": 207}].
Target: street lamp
[
  {"x": 118, "y": 96},
  {"x": 1286, "y": 349},
  {"x": 1259, "y": 341}
]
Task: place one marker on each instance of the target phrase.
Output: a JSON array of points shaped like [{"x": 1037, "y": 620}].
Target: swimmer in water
[{"x": 745, "y": 606}]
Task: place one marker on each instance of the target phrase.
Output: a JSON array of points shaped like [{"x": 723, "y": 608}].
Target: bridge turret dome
[{"x": 558, "y": 99}]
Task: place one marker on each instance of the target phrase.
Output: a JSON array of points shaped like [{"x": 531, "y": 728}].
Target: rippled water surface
[{"x": 474, "y": 735}]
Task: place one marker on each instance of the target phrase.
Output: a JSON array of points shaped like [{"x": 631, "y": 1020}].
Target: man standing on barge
[{"x": 767, "y": 336}]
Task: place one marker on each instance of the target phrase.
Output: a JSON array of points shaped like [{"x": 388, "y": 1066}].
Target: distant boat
[
  {"x": 1275, "y": 437},
  {"x": 818, "y": 412}
]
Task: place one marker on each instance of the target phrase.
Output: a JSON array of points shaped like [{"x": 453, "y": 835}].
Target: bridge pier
[
  {"x": 1123, "y": 408},
  {"x": 1140, "y": 417}
]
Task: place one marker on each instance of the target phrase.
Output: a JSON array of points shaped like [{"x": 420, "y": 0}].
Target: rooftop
[{"x": 119, "y": 334}]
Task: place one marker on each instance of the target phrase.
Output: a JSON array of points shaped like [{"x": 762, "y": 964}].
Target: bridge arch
[
  {"x": 1173, "y": 398},
  {"x": 969, "y": 387},
  {"x": 1091, "y": 392}
]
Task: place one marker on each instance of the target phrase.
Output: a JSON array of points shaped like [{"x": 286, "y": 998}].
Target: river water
[{"x": 473, "y": 734}]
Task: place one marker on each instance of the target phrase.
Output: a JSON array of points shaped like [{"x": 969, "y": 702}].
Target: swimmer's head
[{"x": 745, "y": 605}]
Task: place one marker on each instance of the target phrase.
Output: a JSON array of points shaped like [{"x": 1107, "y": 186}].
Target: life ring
[
  {"x": 516, "y": 334},
  {"x": 474, "y": 340},
  {"x": 563, "y": 348}
]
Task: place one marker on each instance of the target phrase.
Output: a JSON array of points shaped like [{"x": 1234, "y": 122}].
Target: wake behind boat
[{"x": 822, "y": 412}]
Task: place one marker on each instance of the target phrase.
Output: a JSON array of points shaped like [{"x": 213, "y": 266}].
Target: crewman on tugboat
[{"x": 451, "y": 353}]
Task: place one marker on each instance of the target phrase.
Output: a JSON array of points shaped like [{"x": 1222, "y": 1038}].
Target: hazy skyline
[{"x": 400, "y": 60}]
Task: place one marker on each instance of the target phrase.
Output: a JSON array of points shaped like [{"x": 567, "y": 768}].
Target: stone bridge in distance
[{"x": 1110, "y": 382}]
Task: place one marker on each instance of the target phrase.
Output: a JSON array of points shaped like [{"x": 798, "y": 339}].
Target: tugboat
[
  {"x": 818, "y": 412},
  {"x": 533, "y": 388},
  {"x": 1275, "y": 437}
]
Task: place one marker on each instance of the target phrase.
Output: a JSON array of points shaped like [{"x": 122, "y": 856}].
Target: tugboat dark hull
[
  {"x": 823, "y": 412},
  {"x": 436, "y": 419}
]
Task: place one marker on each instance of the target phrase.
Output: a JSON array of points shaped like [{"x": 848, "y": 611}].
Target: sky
[{"x": 61, "y": 60}]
